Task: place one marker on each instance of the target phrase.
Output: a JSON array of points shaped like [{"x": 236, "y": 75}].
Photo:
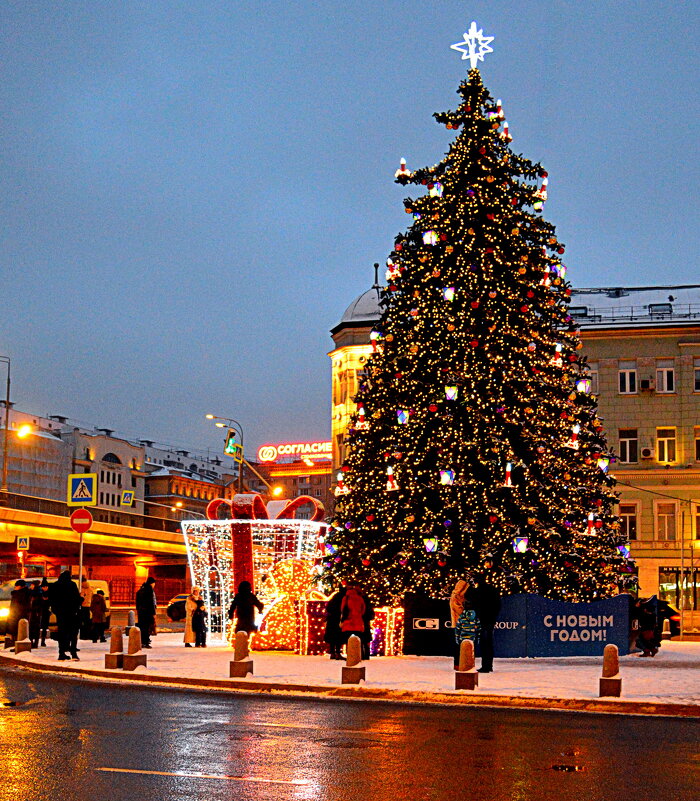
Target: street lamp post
[
  {"x": 174, "y": 507},
  {"x": 5, "y": 439},
  {"x": 230, "y": 422}
]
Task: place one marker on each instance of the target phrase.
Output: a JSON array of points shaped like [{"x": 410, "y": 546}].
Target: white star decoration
[{"x": 474, "y": 38}]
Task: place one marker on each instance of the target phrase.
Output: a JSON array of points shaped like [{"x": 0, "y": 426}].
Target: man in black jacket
[
  {"x": 65, "y": 601},
  {"x": 486, "y": 600},
  {"x": 20, "y": 606},
  {"x": 146, "y": 610}
]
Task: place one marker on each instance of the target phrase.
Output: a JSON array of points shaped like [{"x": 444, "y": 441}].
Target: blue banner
[
  {"x": 556, "y": 628},
  {"x": 510, "y": 631}
]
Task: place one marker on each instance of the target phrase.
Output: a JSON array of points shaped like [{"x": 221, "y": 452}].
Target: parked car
[
  {"x": 7, "y": 587},
  {"x": 176, "y": 607},
  {"x": 665, "y": 609}
]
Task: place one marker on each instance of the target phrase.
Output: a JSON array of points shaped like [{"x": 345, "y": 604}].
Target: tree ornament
[
  {"x": 391, "y": 485},
  {"x": 402, "y": 171},
  {"x": 507, "y": 482},
  {"x": 361, "y": 422},
  {"x": 340, "y": 488}
]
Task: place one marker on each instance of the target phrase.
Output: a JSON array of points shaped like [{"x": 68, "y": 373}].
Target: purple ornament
[
  {"x": 448, "y": 523},
  {"x": 348, "y": 526},
  {"x": 470, "y": 192}
]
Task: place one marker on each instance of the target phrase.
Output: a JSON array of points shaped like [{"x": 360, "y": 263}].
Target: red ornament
[
  {"x": 365, "y": 562},
  {"x": 599, "y": 524},
  {"x": 490, "y": 216},
  {"x": 482, "y": 150},
  {"x": 475, "y": 304},
  {"x": 370, "y": 518},
  {"x": 572, "y": 357},
  {"x": 530, "y": 294},
  {"x": 432, "y": 408},
  {"x": 493, "y": 518},
  {"x": 514, "y": 201},
  {"x": 399, "y": 246},
  {"x": 564, "y": 415},
  {"x": 560, "y": 249},
  {"x": 474, "y": 343},
  {"x": 524, "y": 308},
  {"x": 442, "y": 562},
  {"x": 468, "y": 108}
]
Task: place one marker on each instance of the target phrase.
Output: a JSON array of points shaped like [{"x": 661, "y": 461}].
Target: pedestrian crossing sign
[
  {"x": 128, "y": 498},
  {"x": 22, "y": 543},
  {"x": 82, "y": 489}
]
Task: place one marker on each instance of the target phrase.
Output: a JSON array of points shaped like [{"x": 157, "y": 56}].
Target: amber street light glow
[
  {"x": 278, "y": 490},
  {"x": 24, "y": 431}
]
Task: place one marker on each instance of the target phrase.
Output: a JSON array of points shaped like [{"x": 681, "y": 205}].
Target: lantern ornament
[
  {"x": 341, "y": 488},
  {"x": 430, "y": 238},
  {"x": 603, "y": 463},
  {"x": 584, "y": 385},
  {"x": 391, "y": 484},
  {"x": 448, "y": 293},
  {"x": 447, "y": 477},
  {"x": 402, "y": 416},
  {"x": 451, "y": 392},
  {"x": 430, "y": 544},
  {"x": 520, "y": 544}
]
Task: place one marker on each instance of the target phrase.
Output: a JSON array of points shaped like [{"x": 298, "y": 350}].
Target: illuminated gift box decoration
[{"x": 265, "y": 545}]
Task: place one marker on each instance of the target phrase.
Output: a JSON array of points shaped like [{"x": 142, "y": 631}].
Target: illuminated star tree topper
[{"x": 474, "y": 46}]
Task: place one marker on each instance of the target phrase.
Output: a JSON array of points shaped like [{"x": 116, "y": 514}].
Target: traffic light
[{"x": 233, "y": 448}]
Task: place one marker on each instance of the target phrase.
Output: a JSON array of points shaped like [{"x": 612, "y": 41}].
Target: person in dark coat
[
  {"x": 65, "y": 600},
  {"x": 352, "y": 616},
  {"x": 485, "y": 599},
  {"x": 333, "y": 635},
  {"x": 367, "y": 617},
  {"x": 199, "y": 624},
  {"x": 35, "y": 613},
  {"x": 45, "y": 611},
  {"x": 20, "y": 607},
  {"x": 244, "y": 604},
  {"x": 645, "y": 612},
  {"x": 98, "y": 616},
  {"x": 146, "y": 606}
]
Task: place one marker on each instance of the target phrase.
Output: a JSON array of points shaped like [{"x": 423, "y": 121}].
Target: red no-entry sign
[{"x": 81, "y": 521}]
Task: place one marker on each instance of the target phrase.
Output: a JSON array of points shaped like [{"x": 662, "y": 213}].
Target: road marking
[
  {"x": 368, "y": 732},
  {"x": 193, "y": 775}
]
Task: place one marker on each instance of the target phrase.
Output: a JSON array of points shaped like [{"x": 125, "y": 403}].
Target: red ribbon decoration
[{"x": 250, "y": 506}]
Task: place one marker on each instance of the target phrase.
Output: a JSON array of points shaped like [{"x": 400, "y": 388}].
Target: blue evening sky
[{"x": 193, "y": 192}]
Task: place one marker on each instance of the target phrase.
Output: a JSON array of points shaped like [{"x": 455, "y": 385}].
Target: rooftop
[{"x": 596, "y": 307}]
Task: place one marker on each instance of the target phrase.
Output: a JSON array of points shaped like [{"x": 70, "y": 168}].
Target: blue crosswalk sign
[{"x": 82, "y": 489}]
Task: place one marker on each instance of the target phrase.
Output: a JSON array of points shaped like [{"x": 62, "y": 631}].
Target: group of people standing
[
  {"x": 348, "y": 612},
  {"x": 31, "y": 602},
  {"x": 474, "y": 608},
  {"x": 242, "y": 609}
]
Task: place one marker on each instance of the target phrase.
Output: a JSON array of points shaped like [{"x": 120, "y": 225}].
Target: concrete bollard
[
  {"x": 611, "y": 681},
  {"x": 130, "y": 622},
  {"x": 466, "y": 676},
  {"x": 115, "y": 658},
  {"x": 352, "y": 672},
  {"x": 23, "y": 643},
  {"x": 9, "y": 642},
  {"x": 134, "y": 657},
  {"x": 242, "y": 663},
  {"x": 666, "y": 630}
]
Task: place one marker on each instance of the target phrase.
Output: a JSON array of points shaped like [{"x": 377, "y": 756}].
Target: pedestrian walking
[
  {"x": 333, "y": 635},
  {"x": 35, "y": 613},
  {"x": 146, "y": 606},
  {"x": 466, "y": 628},
  {"x": 20, "y": 607},
  {"x": 190, "y": 606},
  {"x": 98, "y": 616},
  {"x": 86, "y": 594},
  {"x": 66, "y": 602},
  {"x": 457, "y": 599},
  {"x": 352, "y": 612},
  {"x": 45, "y": 611},
  {"x": 244, "y": 604},
  {"x": 199, "y": 624},
  {"x": 645, "y": 611},
  {"x": 486, "y": 602}
]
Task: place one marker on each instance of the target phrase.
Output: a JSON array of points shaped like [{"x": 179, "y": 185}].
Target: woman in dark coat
[
  {"x": 333, "y": 635},
  {"x": 352, "y": 616},
  {"x": 244, "y": 604},
  {"x": 45, "y": 611},
  {"x": 35, "y": 595}
]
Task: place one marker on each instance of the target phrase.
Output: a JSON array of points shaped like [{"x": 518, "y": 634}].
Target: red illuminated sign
[{"x": 298, "y": 450}]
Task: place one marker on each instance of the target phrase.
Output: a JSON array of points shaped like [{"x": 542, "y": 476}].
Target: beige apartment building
[{"x": 643, "y": 348}]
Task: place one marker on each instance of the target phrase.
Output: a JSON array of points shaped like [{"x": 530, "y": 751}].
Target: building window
[
  {"x": 627, "y": 376},
  {"x": 696, "y": 370},
  {"x": 665, "y": 521},
  {"x": 666, "y": 444},
  {"x": 628, "y": 520},
  {"x": 670, "y": 586},
  {"x": 696, "y": 518},
  {"x": 102, "y": 475},
  {"x": 593, "y": 375},
  {"x": 629, "y": 445},
  {"x": 665, "y": 380},
  {"x": 102, "y": 498}
]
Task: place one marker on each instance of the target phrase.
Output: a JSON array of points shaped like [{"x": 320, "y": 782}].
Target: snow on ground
[{"x": 673, "y": 676}]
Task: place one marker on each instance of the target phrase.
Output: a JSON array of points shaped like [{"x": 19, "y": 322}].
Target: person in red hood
[{"x": 352, "y": 611}]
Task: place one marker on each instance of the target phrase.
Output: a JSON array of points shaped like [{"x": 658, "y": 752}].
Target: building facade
[{"x": 643, "y": 349}]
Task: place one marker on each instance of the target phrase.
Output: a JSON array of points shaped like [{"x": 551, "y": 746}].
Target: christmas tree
[{"x": 476, "y": 445}]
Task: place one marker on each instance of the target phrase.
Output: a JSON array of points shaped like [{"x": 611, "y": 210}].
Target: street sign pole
[
  {"x": 80, "y": 561},
  {"x": 81, "y": 521}
]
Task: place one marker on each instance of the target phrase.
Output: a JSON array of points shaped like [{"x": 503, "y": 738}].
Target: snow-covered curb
[{"x": 666, "y": 684}]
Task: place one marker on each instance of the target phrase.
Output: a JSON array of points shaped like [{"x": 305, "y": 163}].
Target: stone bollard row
[
  {"x": 242, "y": 663},
  {"x": 23, "y": 643},
  {"x": 352, "y": 672},
  {"x": 130, "y": 622},
  {"x": 466, "y": 675},
  {"x": 611, "y": 681}
]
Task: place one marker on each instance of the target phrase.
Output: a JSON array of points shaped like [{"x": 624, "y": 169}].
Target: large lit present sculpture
[{"x": 265, "y": 545}]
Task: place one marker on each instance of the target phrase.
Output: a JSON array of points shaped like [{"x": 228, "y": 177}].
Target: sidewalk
[{"x": 666, "y": 684}]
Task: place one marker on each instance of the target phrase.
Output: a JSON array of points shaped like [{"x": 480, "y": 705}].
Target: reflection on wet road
[{"x": 65, "y": 739}]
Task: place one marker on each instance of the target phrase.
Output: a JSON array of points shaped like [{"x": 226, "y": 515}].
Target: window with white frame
[
  {"x": 666, "y": 513},
  {"x": 666, "y": 444},
  {"x": 629, "y": 445},
  {"x": 593, "y": 374},
  {"x": 628, "y": 520},
  {"x": 696, "y": 376},
  {"x": 665, "y": 377},
  {"x": 627, "y": 377}
]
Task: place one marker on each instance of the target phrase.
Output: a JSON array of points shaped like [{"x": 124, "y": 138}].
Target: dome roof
[{"x": 364, "y": 310}]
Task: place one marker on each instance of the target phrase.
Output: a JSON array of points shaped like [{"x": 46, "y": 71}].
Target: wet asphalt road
[{"x": 69, "y": 740}]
